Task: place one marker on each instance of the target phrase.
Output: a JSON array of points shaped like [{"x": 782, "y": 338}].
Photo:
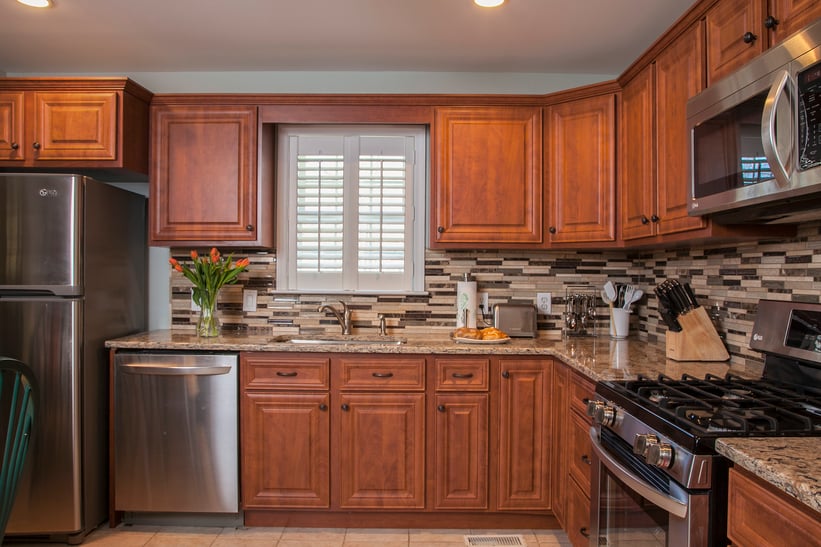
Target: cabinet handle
[
  {"x": 583, "y": 531},
  {"x": 14, "y": 146},
  {"x": 749, "y": 37},
  {"x": 36, "y": 145},
  {"x": 441, "y": 408},
  {"x": 771, "y": 22},
  {"x": 645, "y": 220},
  {"x": 286, "y": 374},
  {"x": 382, "y": 374},
  {"x": 586, "y": 459},
  {"x": 441, "y": 229},
  {"x": 655, "y": 218},
  {"x": 323, "y": 406},
  {"x": 552, "y": 229},
  {"x": 462, "y": 375},
  {"x": 249, "y": 227},
  {"x": 346, "y": 407},
  {"x": 505, "y": 374}
]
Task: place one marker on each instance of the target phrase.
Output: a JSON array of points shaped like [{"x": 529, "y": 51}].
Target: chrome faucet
[{"x": 344, "y": 317}]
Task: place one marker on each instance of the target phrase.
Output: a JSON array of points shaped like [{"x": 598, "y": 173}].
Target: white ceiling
[{"x": 523, "y": 36}]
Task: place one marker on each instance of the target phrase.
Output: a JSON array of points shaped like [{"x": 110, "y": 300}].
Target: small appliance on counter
[
  {"x": 517, "y": 320},
  {"x": 691, "y": 335}
]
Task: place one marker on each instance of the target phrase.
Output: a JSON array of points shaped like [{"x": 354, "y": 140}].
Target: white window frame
[{"x": 348, "y": 139}]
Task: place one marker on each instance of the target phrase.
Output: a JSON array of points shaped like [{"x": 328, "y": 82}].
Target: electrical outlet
[
  {"x": 484, "y": 302},
  {"x": 544, "y": 302},
  {"x": 249, "y": 300}
]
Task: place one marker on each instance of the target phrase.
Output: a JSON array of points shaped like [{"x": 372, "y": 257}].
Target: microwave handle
[{"x": 782, "y": 178}]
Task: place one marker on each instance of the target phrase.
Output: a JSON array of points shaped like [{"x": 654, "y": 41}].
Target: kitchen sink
[{"x": 336, "y": 339}]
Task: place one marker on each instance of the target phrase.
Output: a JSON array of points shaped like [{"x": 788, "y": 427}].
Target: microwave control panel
[{"x": 809, "y": 117}]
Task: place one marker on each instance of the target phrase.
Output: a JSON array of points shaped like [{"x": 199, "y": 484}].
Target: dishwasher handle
[{"x": 175, "y": 370}]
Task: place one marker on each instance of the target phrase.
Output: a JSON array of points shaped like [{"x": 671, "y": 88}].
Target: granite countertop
[{"x": 789, "y": 464}]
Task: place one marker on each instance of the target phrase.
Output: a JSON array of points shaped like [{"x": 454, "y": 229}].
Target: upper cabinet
[
  {"x": 486, "y": 186},
  {"x": 96, "y": 124},
  {"x": 739, "y": 30},
  {"x": 580, "y": 170},
  {"x": 211, "y": 177}
]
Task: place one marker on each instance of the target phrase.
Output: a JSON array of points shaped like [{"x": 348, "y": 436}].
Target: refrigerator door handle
[{"x": 176, "y": 370}]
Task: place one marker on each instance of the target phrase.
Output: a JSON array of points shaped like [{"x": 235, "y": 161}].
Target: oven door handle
[{"x": 667, "y": 503}]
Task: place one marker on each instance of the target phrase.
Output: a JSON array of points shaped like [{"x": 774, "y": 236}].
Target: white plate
[{"x": 480, "y": 342}]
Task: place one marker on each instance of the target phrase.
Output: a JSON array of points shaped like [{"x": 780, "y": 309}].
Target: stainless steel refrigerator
[{"x": 72, "y": 274}]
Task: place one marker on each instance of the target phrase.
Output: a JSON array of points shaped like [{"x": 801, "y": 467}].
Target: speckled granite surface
[{"x": 791, "y": 464}]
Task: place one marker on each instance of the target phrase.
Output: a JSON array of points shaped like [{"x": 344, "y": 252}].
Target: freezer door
[
  {"x": 40, "y": 245},
  {"x": 176, "y": 436},
  {"x": 43, "y": 333}
]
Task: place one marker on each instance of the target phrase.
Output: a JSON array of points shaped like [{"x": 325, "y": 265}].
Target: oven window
[{"x": 628, "y": 519}]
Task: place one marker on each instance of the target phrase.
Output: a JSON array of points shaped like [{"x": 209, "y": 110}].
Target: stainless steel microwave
[{"x": 755, "y": 137}]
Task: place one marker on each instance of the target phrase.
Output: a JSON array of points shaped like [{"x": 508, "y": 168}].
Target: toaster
[{"x": 517, "y": 320}]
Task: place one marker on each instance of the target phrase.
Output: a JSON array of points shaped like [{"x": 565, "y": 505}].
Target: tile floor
[{"x": 139, "y": 535}]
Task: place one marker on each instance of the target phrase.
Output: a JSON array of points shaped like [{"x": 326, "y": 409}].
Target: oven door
[{"x": 633, "y": 503}]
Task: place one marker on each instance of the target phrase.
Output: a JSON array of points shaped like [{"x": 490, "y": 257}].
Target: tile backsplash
[{"x": 728, "y": 281}]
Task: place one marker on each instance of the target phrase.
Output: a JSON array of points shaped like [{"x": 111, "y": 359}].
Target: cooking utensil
[{"x": 610, "y": 289}]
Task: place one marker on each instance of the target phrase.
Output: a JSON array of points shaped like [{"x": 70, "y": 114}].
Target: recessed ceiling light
[
  {"x": 488, "y": 3},
  {"x": 36, "y": 3}
]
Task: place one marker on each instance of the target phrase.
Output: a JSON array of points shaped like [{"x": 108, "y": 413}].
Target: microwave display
[
  {"x": 727, "y": 149},
  {"x": 809, "y": 117}
]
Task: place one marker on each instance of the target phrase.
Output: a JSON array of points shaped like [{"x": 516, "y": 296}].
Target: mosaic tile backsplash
[{"x": 728, "y": 281}]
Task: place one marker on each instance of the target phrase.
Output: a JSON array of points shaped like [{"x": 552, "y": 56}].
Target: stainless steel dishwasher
[{"x": 175, "y": 432}]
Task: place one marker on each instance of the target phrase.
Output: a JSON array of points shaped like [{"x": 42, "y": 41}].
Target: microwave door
[{"x": 777, "y": 129}]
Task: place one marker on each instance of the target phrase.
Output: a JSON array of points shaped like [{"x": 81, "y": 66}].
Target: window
[{"x": 351, "y": 208}]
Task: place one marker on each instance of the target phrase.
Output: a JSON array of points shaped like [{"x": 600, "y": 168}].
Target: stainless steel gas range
[{"x": 657, "y": 479}]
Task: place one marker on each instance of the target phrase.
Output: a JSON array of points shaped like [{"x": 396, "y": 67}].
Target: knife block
[{"x": 697, "y": 341}]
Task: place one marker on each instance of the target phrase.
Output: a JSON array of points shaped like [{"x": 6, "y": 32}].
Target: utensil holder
[{"x": 698, "y": 339}]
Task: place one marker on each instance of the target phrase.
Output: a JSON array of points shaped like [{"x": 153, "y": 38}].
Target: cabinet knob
[
  {"x": 323, "y": 406},
  {"x": 583, "y": 531},
  {"x": 14, "y": 146},
  {"x": 249, "y": 227},
  {"x": 771, "y": 22},
  {"x": 655, "y": 218},
  {"x": 749, "y": 37},
  {"x": 441, "y": 229},
  {"x": 36, "y": 145},
  {"x": 346, "y": 407},
  {"x": 552, "y": 229},
  {"x": 644, "y": 219},
  {"x": 441, "y": 408},
  {"x": 505, "y": 374},
  {"x": 586, "y": 459}
]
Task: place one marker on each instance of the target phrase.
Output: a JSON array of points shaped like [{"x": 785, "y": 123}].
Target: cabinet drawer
[
  {"x": 381, "y": 373},
  {"x": 578, "y": 515},
  {"x": 581, "y": 390},
  {"x": 456, "y": 374},
  {"x": 578, "y": 439},
  {"x": 261, "y": 371}
]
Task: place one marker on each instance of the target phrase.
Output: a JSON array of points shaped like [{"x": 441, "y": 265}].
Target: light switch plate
[{"x": 249, "y": 300}]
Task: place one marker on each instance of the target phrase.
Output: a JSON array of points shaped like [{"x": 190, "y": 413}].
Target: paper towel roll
[{"x": 466, "y": 302}]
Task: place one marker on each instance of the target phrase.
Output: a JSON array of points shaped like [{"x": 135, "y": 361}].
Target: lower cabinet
[{"x": 405, "y": 434}]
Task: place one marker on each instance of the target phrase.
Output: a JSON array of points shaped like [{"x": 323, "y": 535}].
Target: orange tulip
[
  {"x": 175, "y": 264},
  {"x": 194, "y": 255},
  {"x": 215, "y": 255},
  {"x": 242, "y": 263}
]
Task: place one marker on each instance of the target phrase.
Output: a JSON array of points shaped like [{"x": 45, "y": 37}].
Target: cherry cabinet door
[
  {"x": 581, "y": 170},
  {"x": 735, "y": 35},
  {"x": 75, "y": 126},
  {"x": 379, "y": 450},
  {"x": 791, "y": 15},
  {"x": 486, "y": 190},
  {"x": 11, "y": 126}
]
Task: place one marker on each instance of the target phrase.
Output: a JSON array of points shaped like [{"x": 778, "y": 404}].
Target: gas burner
[{"x": 737, "y": 393}]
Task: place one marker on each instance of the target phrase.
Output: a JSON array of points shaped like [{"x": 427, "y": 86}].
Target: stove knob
[
  {"x": 660, "y": 455},
  {"x": 592, "y": 406},
  {"x": 605, "y": 415},
  {"x": 642, "y": 443}
]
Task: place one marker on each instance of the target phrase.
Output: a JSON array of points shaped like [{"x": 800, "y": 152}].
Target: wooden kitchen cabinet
[
  {"x": 580, "y": 170},
  {"x": 378, "y": 421},
  {"x": 94, "y": 125},
  {"x": 523, "y": 457},
  {"x": 285, "y": 431},
  {"x": 762, "y": 516},
  {"x": 787, "y": 16},
  {"x": 211, "y": 176},
  {"x": 734, "y": 35},
  {"x": 461, "y": 433},
  {"x": 486, "y": 187}
]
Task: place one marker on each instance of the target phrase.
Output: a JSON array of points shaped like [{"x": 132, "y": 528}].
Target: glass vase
[{"x": 208, "y": 324}]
